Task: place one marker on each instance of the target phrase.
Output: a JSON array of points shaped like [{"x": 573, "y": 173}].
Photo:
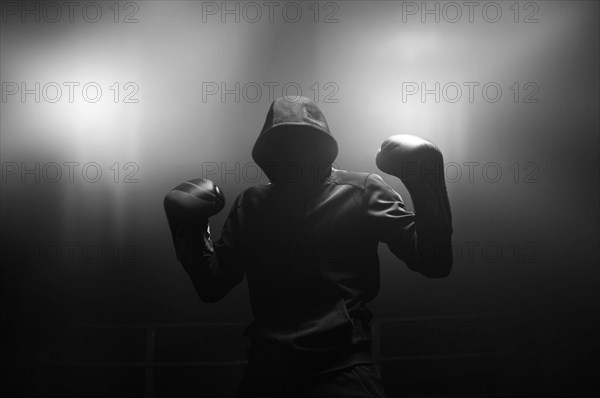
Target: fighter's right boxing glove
[{"x": 188, "y": 207}]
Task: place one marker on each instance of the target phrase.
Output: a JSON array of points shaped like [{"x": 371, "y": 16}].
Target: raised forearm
[
  {"x": 188, "y": 207},
  {"x": 433, "y": 251},
  {"x": 419, "y": 165},
  {"x": 212, "y": 272}
]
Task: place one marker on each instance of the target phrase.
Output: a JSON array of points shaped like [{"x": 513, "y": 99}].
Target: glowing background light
[{"x": 367, "y": 56}]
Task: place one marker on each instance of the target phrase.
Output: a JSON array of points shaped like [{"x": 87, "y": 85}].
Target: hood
[{"x": 295, "y": 130}]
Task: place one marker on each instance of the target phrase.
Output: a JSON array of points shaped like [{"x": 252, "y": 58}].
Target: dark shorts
[{"x": 356, "y": 381}]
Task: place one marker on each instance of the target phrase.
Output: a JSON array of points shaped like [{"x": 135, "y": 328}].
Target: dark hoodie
[{"x": 307, "y": 243}]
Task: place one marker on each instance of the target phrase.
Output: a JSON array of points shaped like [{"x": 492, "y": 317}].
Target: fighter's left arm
[{"x": 424, "y": 247}]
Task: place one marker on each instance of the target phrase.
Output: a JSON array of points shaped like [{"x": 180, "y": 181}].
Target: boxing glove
[
  {"x": 420, "y": 166},
  {"x": 188, "y": 207}
]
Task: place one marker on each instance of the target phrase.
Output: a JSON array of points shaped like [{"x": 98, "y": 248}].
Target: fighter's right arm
[{"x": 213, "y": 269}]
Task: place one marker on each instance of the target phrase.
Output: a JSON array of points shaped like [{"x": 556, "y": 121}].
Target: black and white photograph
[{"x": 300, "y": 199}]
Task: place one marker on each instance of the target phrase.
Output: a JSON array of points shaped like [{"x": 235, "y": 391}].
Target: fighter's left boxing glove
[{"x": 420, "y": 166}]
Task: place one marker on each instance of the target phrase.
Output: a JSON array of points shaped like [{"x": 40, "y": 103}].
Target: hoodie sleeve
[
  {"x": 421, "y": 247},
  {"x": 215, "y": 268}
]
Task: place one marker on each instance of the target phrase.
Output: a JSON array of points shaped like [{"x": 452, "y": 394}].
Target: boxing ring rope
[{"x": 150, "y": 363}]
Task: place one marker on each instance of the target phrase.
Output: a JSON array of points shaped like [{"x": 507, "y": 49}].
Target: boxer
[{"x": 307, "y": 243}]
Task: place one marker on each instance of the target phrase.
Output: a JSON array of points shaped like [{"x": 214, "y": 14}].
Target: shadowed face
[{"x": 298, "y": 159}]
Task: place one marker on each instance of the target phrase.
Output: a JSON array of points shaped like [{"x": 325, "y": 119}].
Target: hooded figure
[
  {"x": 307, "y": 244},
  {"x": 295, "y": 145}
]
